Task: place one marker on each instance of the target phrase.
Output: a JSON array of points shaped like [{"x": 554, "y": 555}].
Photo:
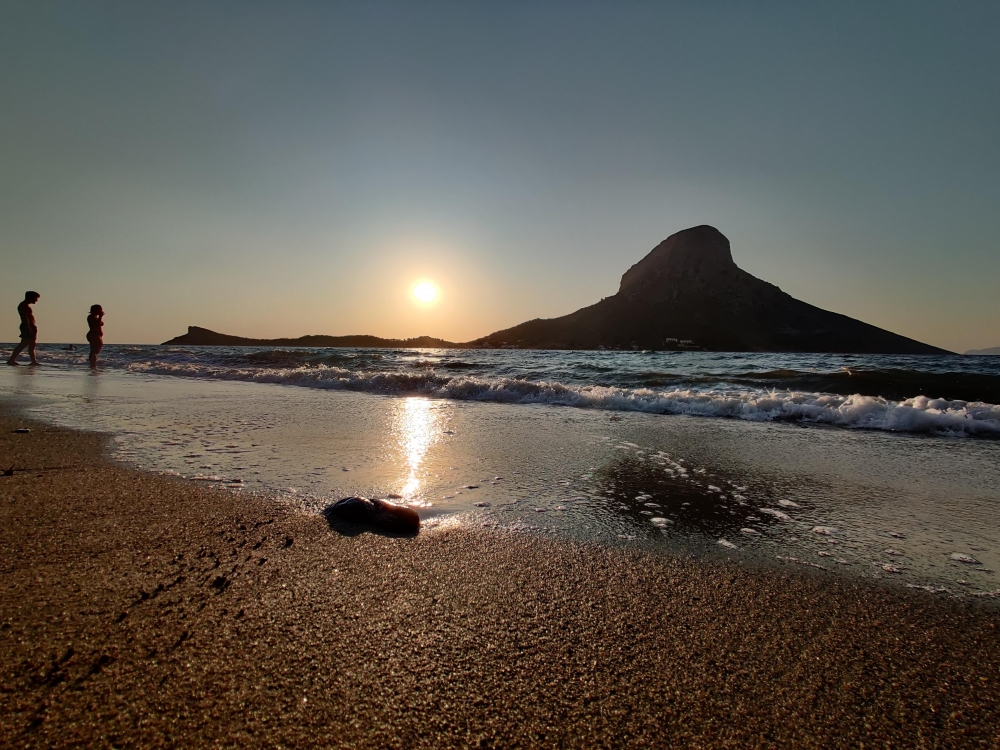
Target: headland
[{"x": 196, "y": 336}]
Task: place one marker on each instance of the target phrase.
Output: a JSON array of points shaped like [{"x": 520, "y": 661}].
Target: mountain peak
[
  {"x": 688, "y": 292},
  {"x": 699, "y": 254}
]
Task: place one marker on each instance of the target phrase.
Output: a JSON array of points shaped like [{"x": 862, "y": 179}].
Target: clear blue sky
[{"x": 287, "y": 168}]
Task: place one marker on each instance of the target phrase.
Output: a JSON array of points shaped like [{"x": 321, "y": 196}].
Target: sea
[{"x": 873, "y": 466}]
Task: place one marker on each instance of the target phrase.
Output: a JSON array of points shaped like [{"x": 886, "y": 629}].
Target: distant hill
[
  {"x": 203, "y": 337},
  {"x": 995, "y": 350},
  {"x": 688, "y": 293}
]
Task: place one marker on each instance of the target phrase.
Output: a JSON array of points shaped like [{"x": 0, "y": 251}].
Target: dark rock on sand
[
  {"x": 687, "y": 293},
  {"x": 374, "y": 514},
  {"x": 470, "y": 637}
]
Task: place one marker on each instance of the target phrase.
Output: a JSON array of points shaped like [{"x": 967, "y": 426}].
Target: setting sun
[{"x": 424, "y": 291}]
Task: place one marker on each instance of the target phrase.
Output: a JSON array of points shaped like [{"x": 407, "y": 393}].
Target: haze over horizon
[{"x": 271, "y": 170}]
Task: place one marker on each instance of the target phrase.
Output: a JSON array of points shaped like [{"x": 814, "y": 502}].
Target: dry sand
[{"x": 142, "y": 611}]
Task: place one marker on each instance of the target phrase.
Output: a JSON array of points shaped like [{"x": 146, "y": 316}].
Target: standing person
[
  {"x": 95, "y": 336},
  {"x": 29, "y": 331}
]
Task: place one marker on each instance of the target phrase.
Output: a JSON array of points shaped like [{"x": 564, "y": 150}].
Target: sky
[{"x": 290, "y": 168}]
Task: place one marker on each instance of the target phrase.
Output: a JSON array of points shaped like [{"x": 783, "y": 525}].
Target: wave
[
  {"x": 891, "y": 383},
  {"x": 894, "y": 384},
  {"x": 306, "y": 357},
  {"x": 918, "y": 414}
]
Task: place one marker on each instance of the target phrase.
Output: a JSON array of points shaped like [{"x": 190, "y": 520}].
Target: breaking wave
[{"x": 918, "y": 414}]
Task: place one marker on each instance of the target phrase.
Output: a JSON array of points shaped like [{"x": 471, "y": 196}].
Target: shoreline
[
  {"x": 142, "y": 610},
  {"x": 808, "y": 389}
]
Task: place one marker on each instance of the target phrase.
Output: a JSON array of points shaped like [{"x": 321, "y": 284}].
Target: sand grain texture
[{"x": 142, "y": 611}]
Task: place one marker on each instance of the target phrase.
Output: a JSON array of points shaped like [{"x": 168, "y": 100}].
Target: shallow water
[
  {"x": 945, "y": 395},
  {"x": 854, "y": 502}
]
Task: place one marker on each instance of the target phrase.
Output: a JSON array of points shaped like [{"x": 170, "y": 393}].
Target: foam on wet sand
[
  {"x": 144, "y": 610},
  {"x": 935, "y": 492}
]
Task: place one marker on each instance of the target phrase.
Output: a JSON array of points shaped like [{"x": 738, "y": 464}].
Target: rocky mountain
[
  {"x": 689, "y": 293},
  {"x": 203, "y": 337},
  {"x": 993, "y": 350}
]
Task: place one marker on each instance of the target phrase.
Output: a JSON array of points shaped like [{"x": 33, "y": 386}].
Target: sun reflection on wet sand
[{"x": 418, "y": 426}]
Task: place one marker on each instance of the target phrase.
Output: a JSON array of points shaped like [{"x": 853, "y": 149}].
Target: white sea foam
[
  {"x": 919, "y": 414},
  {"x": 964, "y": 558},
  {"x": 797, "y": 561},
  {"x": 775, "y": 513}
]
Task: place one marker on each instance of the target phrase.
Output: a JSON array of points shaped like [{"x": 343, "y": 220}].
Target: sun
[{"x": 424, "y": 292}]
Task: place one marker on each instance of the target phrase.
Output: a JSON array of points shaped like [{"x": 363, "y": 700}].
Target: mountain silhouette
[
  {"x": 689, "y": 293},
  {"x": 204, "y": 337}
]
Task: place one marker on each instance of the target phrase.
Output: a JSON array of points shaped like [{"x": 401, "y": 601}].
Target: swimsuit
[
  {"x": 28, "y": 333},
  {"x": 95, "y": 335}
]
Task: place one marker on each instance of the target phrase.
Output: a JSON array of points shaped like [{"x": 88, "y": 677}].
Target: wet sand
[
  {"x": 663, "y": 482},
  {"x": 137, "y": 610}
]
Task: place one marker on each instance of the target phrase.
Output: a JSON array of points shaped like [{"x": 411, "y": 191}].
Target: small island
[{"x": 204, "y": 337}]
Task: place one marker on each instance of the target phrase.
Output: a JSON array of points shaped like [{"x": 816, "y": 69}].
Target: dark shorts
[{"x": 28, "y": 333}]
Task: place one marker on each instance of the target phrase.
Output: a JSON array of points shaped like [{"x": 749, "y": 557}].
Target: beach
[
  {"x": 510, "y": 375},
  {"x": 891, "y": 497},
  {"x": 140, "y": 610}
]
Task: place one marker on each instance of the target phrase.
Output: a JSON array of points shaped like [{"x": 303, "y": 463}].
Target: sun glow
[{"x": 424, "y": 292}]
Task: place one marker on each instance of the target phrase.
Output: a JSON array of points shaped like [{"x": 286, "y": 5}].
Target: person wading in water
[
  {"x": 29, "y": 331},
  {"x": 95, "y": 336}
]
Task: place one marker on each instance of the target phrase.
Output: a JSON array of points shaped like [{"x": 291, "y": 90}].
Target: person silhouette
[
  {"x": 95, "y": 336},
  {"x": 29, "y": 331}
]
